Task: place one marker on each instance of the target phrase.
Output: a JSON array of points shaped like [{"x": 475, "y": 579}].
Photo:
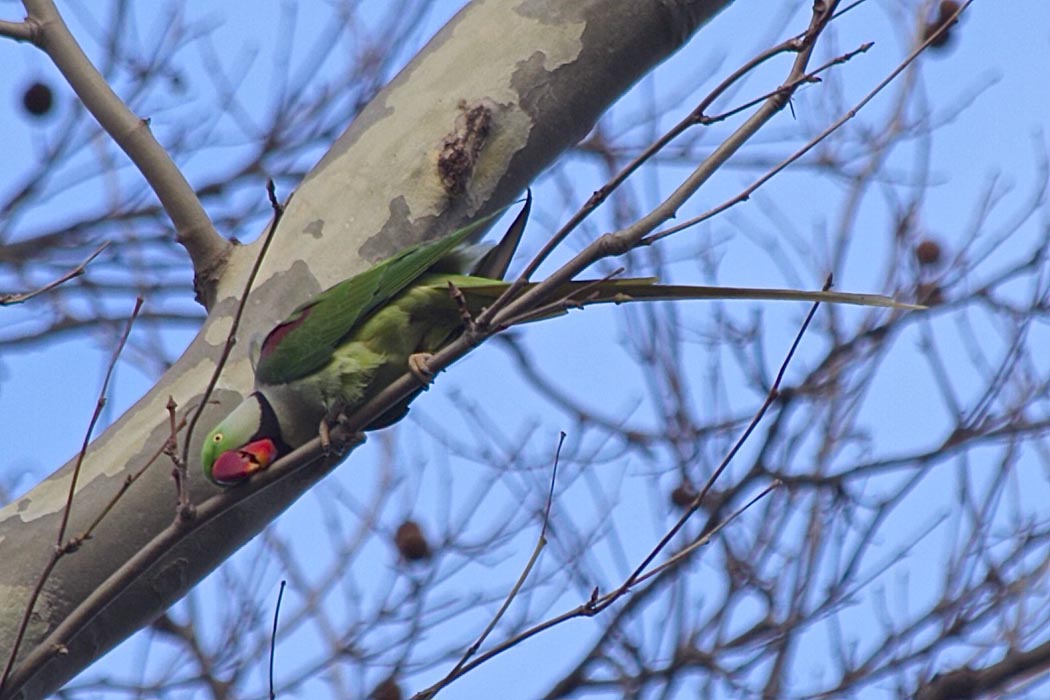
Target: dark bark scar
[{"x": 460, "y": 149}]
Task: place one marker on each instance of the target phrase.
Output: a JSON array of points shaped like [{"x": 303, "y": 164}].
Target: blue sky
[{"x": 996, "y": 71}]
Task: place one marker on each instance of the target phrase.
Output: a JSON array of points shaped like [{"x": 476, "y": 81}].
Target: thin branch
[
  {"x": 634, "y": 235},
  {"x": 19, "y": 31},
  {"x": 231, "y": 338},
  {"x": 61, "y": 546},
  {"x": 597, "y": 604},
  {"x": 812, "y": 143},
  {"x": 7, "y": 299},
  {"x": 273, "y": 635},
  {"x": 642, "y": 572},
  {"x": 695, "y": 117},
  {"x": 194, "y": 230},
  {"x": 183, "y": 524},
  {"x": 541, "y": 542},
  {"x": 161, "y": 545},
  {"x": 771, "y": 397}
]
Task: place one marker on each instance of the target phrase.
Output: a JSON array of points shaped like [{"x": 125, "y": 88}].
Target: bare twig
[
  {"x": 45, "y": 27},
  {"x": 697, "y": 116},
  {"x": 635, "y": 235},
  {"x": 61, "y": 546},
  {"x": 273, "y": 635},
  {"x": 541, "y": 542},
  {"x": 19, "y": 31},
  {"x": 183, "y": 507},
  {"x": 8, "y": 299},
  {"x": 231, "y": 338},
  {"x": 184, "y": 522},
  {"x": 596, "y": 604},
  {"x": 161, "y": 545},
  {"x": 642, "y": 572},
  {"x": 461, "y": 304},
  {"x": 812, "y": 143},
  {"x": 771, "y": 397}
]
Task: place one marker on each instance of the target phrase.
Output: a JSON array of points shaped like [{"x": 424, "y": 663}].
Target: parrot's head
[{"x": 248, "y": 440}]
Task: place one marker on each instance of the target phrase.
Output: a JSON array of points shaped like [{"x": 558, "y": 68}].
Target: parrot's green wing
[{"x": 304, "y": 343}]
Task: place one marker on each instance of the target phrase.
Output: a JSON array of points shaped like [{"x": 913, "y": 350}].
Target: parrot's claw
[
  {"x": 417, "y": 365},
  {"x": 325, "y": 435}
]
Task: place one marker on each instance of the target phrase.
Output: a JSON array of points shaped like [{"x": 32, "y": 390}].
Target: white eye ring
[{"x": 217, "y": 438}]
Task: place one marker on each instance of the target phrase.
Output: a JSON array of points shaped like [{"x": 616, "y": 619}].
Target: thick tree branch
[
  {"x": 193, "y": 228},
  {"x": 377, "y": 190}
]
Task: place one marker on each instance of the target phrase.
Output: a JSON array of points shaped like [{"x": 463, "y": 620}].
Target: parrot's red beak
[{"x": 238, "y": 465}]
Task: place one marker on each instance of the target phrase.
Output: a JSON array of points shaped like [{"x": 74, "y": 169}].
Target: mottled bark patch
[{"x": 460, "y": 149}]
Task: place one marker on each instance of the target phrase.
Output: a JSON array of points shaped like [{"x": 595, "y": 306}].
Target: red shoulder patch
[{"x": 281, "y": 331}]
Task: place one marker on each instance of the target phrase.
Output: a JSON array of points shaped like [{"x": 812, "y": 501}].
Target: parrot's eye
[{"x": 217, "y": 438}]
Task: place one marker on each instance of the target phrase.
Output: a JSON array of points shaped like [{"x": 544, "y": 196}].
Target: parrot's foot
[
  {"x": 324, "y": 432},
  {"x": 417, "y": 365}
]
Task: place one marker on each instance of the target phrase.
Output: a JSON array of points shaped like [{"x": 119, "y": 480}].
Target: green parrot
[
  {"x": 353, "y": 339},
  {"x": 339, "y": 348}
]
